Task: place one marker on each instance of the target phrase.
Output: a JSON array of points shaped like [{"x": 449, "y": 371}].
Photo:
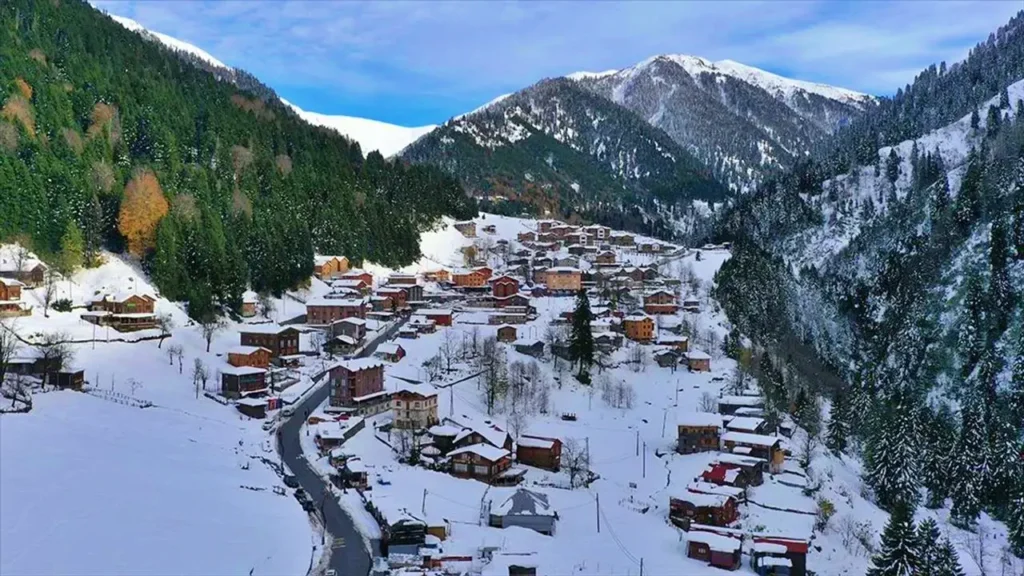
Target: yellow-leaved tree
[{"x": 142, "y": 209}]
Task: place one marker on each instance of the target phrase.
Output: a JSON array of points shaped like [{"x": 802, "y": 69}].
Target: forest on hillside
[{"x": 110, "y": 141}]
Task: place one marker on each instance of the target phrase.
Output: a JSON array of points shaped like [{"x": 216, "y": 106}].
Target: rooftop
[
  {"x": 524, "y": 502},
  {"x": 485, "y": 451},
  {"x": 359, "y": 364}
]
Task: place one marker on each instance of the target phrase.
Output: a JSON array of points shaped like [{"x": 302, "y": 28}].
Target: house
[
  {"x": 691, "y": 305},
  {"x": 442, "y": 436},
  {"x": 623, "y": 239},
  {"x": 638, "y": 327},
  {"x": 414, "y": 406},
  {"x": 660, "y": 302},
  {"x": 757, "y": 445},
  {"x": 667, "y": 357},
  {"x": 728, "y": 405},
  {"x": 751, "y": 470},
  {"x": 238, "y": 381},
  {"x": 598, "y": 231},
  {"x": 441, "y": 317},
  {"x": 746, "y": 424},
  {"x": 354, "y": 328},
  {"x": 280, "y": 340},
  {"x": 480, "y": 461},
  {"x": 355, "y": 286},
  {"x": 440, "y": 276},
  {"x": 576, "y": 249},
  {"x": 719, "y": 474},
  {"x": 397, "y": 295},
  {"x": 358, "y": 274},
  {"x": 353, "y": 381},
  {"x": 539, "y": 451},
  {"x": 546, "y": 225},
  {"x": 526, "y": 509},
  {"x": 354, "y": 474},
  {"x": 607, "y": 341},
  {"x": 413, "y": 293},
  {"x": 769, "y": 551},
  {"x": 710, "y": 509},
  {"x": 31, "y": 272},
  {"x": 470, "y": 278},
  {"x": 697, "y": 361},
  {"x": 69, "y": 379},
  {"x": 390, "y": 351},
  {"x": 506, "y": 333},
  {"x": 504, "y": 285},
  {"x": 252, "y": 407},
  {"x": 327, "y": 267},
  {"x": 698, "y": 432},
  {"x": 605, "y": 258},
  {"x": 513, "y": 300},
  {"x": 256, "y": 356},
  {"x": 123, "y": 311},
  {"x": 529, "y": 346},
  {"x": 526, "y": 236},
  {"x": 474, "y": 431},
  {"x": 422, "y": 325},
  {"x": 399, "y": 279},
  {"x": 324, "y": 311},
  {"x": 490, "y": 229},
  {"x": 717, "y": 550},
  {"x": 562, "y": 280},
  {"x": 680, "y": 343},
  {"x": 701, "y": 487},
  {"x": 467, "y": 228},
  {"x": 408, "y": 333},
  {"x": 341, "y": 344},
  {"x": 249, "y": 301},
  {"x": 10, "y": 299}
]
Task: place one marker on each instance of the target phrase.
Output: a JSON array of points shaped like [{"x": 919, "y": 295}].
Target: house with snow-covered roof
[
  {"x": 414, "y": 405},
  {"x": 523, "y": 508},
  {"x": 698, "y": 432},
  {"x": 474, "y": 430},
  {"x": 122, "y": 310},
  {"x": 481, "y": 461},
  {"x": 717, "y": 550},
  {"x": 358, "y": 386},
  {"x": 539, "y": 451},
  {"x": 710, "y": 509}
]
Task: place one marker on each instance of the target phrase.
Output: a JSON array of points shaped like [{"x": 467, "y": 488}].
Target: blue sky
[{"x": 421, "y": 62}]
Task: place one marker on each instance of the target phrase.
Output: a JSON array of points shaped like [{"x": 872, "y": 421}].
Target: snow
[
  {"x": 485, "y": 106},
  {"x": 591, "y": 75},
  {"x": 483, "y": 450},
  {"x": 388, "y": 139},
  {"x": 170, "y": 42},
  {"x": 698, "y": 419},
  {"x": 787, "y": 87}
]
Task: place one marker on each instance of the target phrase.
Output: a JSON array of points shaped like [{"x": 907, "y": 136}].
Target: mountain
[
  {"x": 211, "y": 186},
  {"x": 556, "y": 148},
  {"x": 741, "y": 121},
  {"x": 372, "y": 135}
]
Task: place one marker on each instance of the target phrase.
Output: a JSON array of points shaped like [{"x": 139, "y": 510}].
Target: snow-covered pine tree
[
  {"x": 1017, "y": 197},
  {"x": 1000, "y": 289},
  {"x": 939, "y": 437},
  {"x": 1006, "y": 467},
  {"x": 973, "y": 325},
  {"x": 967, "y": 207},
  {"x": 893, "y": 452},
  {"x": 947, "y": 561},
  {"x": 928, "y": 542},
  {"x": 970, "y": 472},
  {"x": 1016, "y": 392},
  {"x": 581, "y": 340},
  {"x": 1015, "y": 521},
  {"x": 900, "y": 551},
  {"x": 838, "y": 424}
]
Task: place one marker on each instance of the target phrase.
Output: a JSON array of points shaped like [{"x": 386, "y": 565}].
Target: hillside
[
  {"x": 554, "y": 148},
  {"x": 743, "y": 122},
  {"x": 91, "y": 145}
]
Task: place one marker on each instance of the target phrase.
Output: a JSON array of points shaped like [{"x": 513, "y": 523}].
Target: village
[{"x": 464, "y": 443}]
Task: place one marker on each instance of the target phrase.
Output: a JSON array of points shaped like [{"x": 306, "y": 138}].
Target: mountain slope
[
  {"x": 372, "y": 135},
  {"x": 743, "y": 122},
  {"x": 560, "y": 149}
]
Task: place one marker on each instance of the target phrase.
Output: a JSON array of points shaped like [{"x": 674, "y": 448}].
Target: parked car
[{"x": 291, "y": 481}]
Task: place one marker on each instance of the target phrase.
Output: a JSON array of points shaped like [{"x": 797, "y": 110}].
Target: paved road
[{"x": 352, "y": 559}]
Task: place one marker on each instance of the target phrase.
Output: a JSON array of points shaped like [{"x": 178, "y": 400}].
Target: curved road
[{"x": 352, "y": 559}]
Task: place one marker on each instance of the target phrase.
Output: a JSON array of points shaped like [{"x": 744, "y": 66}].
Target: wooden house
[
  {"x": 239, "y": 381},
  {"x": 414, "y": 406},
  {"x": 466, "y": 228},
  {"x": 778, "y": 556},
  {"x": 327, "y": 267},
  {"x": 711, "y": 509},
  {"x": 622, "y": 239},
  {"x": 751, "y": 470},
  {"x": 31, "y": 273},
  {"x": 358, "y": 274},
  {"x": 413, "y": 293},
  {"x": 249, "y": 302},
  {"x": 539, "y": 451},
  {"x": 607, "y": 341},
  {"x": 680, "y": 343},
  {"x": 324, "y": 311},
  {"x": 529, "y": 346},
  {"x": 562, "y": 280},
  {"x": 480, "y": 462},
  {"x": 475, "y": 278},
  {"x": 660, "y": 302},
  {"x": 350, "y": 286},
  {"x": 10, "y": 299},
  {"x": 667, "y": 357},
  {"x": 506, "y": 333},
  {"x": 717, "y": 550},
  {"x": 353, "y": 380},
  {"x": 280, "y": 340},
  {"x": 400, "y": 279},
  {"x": 442, "y": 436},
  {"x": 638, "y": 327},
  {"x": 605, "y": 258},
  {"x": 748, "y": 424},
  {"x": 504, "y": 285},
  {"x": 473, "y": 431},
  {"x": 257, "y": 356},
  {"x": 422, "y": 325},
  {"x": 757, "y": 445},
  {"x": 354, "y": 328},
  {"x": 252, "y": 407},
  {"x": 396, "y": 294},
  {"x": 698, "y": 432},
  {"x": 698, "y": 361},
  {"x": 390, "y": 351},
  {"x": 441, "y": 317},
  {"x": 517, "y": 300},
  {"x": 122, "y": 311},
  {"x": 691, "y": 305},
  {"x": 441, "y": 276},
  {"x": 728, "y": 405},
  {"x": 526, "y": 509}
]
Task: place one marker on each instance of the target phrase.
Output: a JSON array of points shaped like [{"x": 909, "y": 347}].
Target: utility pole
[
  {"x": 645, "y": 460},
  {"x": 664, "y": 419},
  {"x": 451, "y": 402},
  {"x": 588, "y": 453},
  {"x": 677, "y": 393},
  {"x": 637, "y": 442},
  {"x": 423, "y": 507},
  {"x": 598, "y": 496},
  {"x": 641, "y": 567}
]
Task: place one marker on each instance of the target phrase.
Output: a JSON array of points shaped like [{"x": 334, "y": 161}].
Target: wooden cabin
[
  {"x": 480, "y": 462},
  {"x": 710, "y": 509},
  {"x": 716, "y": 549},
  {"x": 757, "y": 445},
  {"x": 660, "y": 302},
  {"x": 638, "y": 327},
  {"x": 257, "y": 356},
  {"x": 506, "y": 333},
  {"x": 698, "y": 432},
  {"x": 539, "y": 451},
  {"x": 280, "y": 340}
]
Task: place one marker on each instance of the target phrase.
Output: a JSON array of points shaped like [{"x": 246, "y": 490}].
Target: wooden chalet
[
  {"x": 390, "y": 351},
  {"x": 539, "y": 451},
  {"x": 526, "y": 509},
  {"x": 252, "y": 407},
  {"x": 680, "y": 343},
  {"x": 563, "y": 280},
  {"x": 355, "y": 381},
  {"x": 399, "y": 279},
  {"x": 697, "y": 361},
  {"x": 751, "y": 470},
  {"x": 757, "y": 445},
  {"x": 717, "y": 550},
  {"x": 638, "y": 327},
  {"x": 440, "y": 316},
  {"x": 397, "y": 295},
  {"x": 711, "y": 509},
  {"x": 504, "y": 285},
  {"x": 527, "y": 236},
  {"x": 466, "y": 228},
  {"x": 256, "y": 356},
  {"x": 748, "y": 424},
  {"x": 32, "y": 272},
  {"x": 660, "y": 302},
  {"x": 441, "y": 276},
  {"x": 517, "y": 300},
  {"x": 122, "y": 311},
  {"x": 10, "y": 299},
  {"x": 239, "y": 381},
  {"x": 327, "y": 267},
  {"x": 481, "y": 462},
  {"x": 506, "y": 333},
  {"x": 728, "y": 405},
  {"x": 605, "y": 258},
  {"x": 353, "y": 327},
  {"x": 667, "y": 357},
  {"x": 529, "y": 346},
  {"x": 698, "y": 432},
  {"x": 414, "y": 406},
  {"x": 475, "y": 278},
  {"x": 280, "y": 340},
  {"x": 358, "y": 274},
  {"x": 324, "y": 311},
  {"x": 249, "y": 302},
  {"x": 778, "y": 556}
]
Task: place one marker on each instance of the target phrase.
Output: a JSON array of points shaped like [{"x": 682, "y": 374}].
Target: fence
[{"x": 119, "y": 398}]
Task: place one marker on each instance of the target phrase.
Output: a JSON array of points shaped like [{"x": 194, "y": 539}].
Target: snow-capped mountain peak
[
  {"x": 786, "y": 87},
  {"x": 172, "y": 43}
]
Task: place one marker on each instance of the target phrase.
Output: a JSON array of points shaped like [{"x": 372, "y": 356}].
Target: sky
[{"x": 422, "y": 62}]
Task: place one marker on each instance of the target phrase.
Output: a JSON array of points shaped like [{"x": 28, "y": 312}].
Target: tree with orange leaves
[{"x": 142, "y": 209}]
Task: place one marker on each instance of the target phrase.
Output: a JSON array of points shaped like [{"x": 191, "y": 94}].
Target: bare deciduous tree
[
  {"x": 638, "y": 358},
  {"x": 317, "y": 340},
  {"x": 165, "y": 323},
  {"x": 9, "y": 345},
  {"x": 448, "y": 349},
  {"x": 209, "y": 327},
  {"x": 518, "y": 420},
  {"x": 55, "y": 352},
  {"x": 49, "y": 290},
  {"x": 707, "y": 403},
  {"x": 494, "y": 367},
  {"x": 175, "y": 352},
  {"x": 576, "y": 462},
  {"x": 199, "y": 375},
  {"x": 266, "y": 305}
]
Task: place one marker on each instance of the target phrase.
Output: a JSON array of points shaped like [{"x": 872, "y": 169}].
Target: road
[{"x": 352, "y": 559}]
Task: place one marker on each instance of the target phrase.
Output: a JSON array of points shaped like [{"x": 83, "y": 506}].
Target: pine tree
[
  {"x": 967, "y": 207},
  {"x": 1000, "y": 288},
  {"x": 1017, "y": 232},
  {"x": 993, "y": 121},
  {"x": 975, "y": 119},
  {"x": 947, "y": 561},
  {"x": 581, "y": 340},
  {"x": 939, "y": 438},
  {"x": 1016, "y": 392},
  {"x": 928, "y": 541},
  {"x": 899, "y": 554},
  {"x": 838, "y": 424},
  {"x": 93, "y": 231},
  {"x": 72, "y": 249},
  {"x": 973, "y": 325},
  {"x": 970, "y": 472},
  {"x": 892, "y": 167},
  {"x": 1015, "y": 521},
  {"x": 1004, "y": 443},
  {"x": 892, "y": 455}
]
